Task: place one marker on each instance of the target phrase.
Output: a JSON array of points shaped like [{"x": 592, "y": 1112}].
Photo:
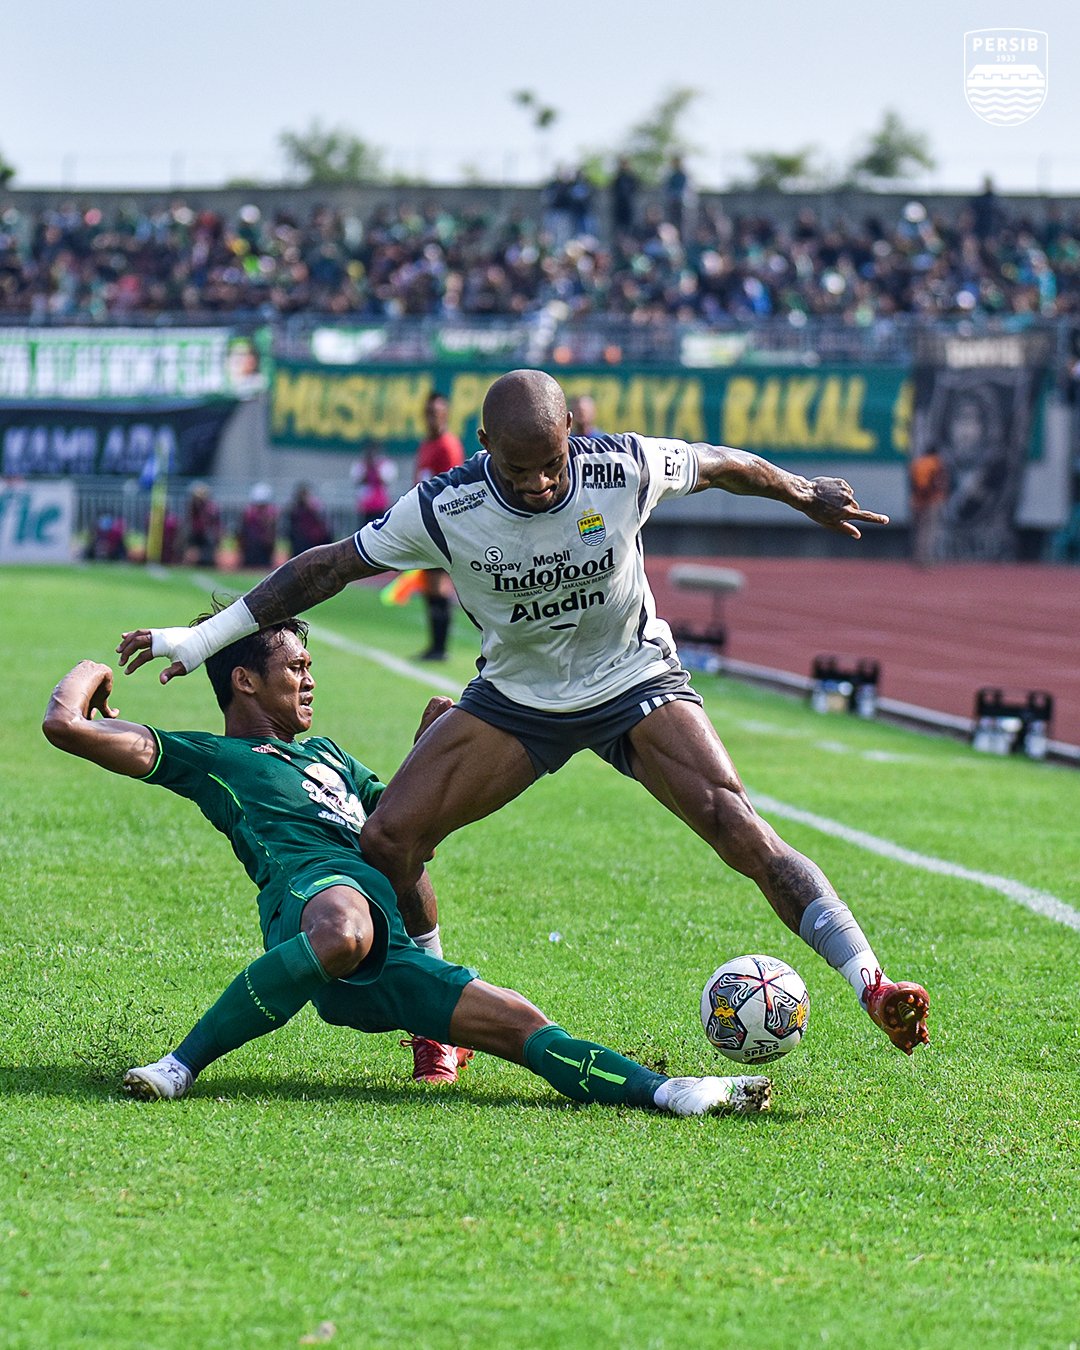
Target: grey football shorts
[{"x": 550, "y": 739}]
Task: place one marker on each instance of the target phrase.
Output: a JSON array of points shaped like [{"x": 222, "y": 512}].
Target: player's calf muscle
[
  {"x": 495, "y": 1020},
  {"x": 739, "y": 835},
  {"x": 791, "y": 883}
]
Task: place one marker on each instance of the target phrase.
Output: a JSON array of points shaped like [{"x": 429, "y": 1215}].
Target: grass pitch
[{"x": 309, "y": 1190}]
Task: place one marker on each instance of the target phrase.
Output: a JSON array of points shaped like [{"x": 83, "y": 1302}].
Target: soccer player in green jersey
[
  {"x": 541, "y": 535},
  {"x": 292, "y": 806}
]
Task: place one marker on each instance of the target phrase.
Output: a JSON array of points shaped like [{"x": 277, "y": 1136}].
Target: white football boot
[
  {"x": 164, "y": 1078},
  {"x": 714, "y": 1096}
]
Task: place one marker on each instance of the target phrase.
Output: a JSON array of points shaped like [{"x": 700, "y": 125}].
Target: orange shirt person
[{"x": 928, "y": 480}]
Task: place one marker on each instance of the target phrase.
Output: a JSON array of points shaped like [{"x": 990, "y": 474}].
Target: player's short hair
[{"x": 251, "y": 652}]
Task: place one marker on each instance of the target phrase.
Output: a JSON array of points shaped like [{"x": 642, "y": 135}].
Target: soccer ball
[{"x": 754, "y": 1009}]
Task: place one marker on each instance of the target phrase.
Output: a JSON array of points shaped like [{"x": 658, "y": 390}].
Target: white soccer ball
[{"x": 754, "y": 1009}]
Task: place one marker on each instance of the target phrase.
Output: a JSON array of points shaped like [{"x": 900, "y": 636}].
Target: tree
[
  {"x": 542, "y": 115},
  {"x": 893, "y": 152},
  {"x": 654, "y": 141},
  {"x": 7, "y": 171},
  {"x": 323, "y": 156},
  {"x": 781, "y": 171}
]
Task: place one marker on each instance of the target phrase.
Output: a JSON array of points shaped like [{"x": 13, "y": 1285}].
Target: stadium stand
[{"x": 77, "y": 262}]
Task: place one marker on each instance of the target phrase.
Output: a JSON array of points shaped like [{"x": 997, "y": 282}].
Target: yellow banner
[{"x": 771, "y": 411}]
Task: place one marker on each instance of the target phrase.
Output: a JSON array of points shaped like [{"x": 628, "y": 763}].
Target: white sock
[
  {"x": 430, "y": 942},
  {"x": 660, "y": 1096},
  {"x": 852, "y": 971}
]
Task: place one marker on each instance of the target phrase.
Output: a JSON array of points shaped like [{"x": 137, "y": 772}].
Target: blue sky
[{"x": 126, "y": 94}]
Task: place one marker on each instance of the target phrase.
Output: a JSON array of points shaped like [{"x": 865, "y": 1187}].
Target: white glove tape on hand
[{"x": 191, "y": 646}]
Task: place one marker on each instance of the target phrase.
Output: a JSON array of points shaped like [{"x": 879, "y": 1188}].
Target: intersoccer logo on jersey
[
  {"x": 1005, "y": 74},
  {"x": 592, "y": 529}
]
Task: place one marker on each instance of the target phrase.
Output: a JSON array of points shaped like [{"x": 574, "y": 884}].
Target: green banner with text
[
  {"x": 86, "y": 365},
  {"x": 864, "y": 412}
]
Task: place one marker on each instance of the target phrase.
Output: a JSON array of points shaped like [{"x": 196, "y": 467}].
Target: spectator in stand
[
  {"x": 372, "y": 476},
  {"x": 107, "y": 543},
  {"x": 203, "y": 527},
  {"x": 439, "y": 452},
  {"x": 581, "y": 193},
  {"x": 89, "y": 264},
  {"x": 624, "y": 190},
  {"x": 584, "y": 412},
  {"x": 676, "y": 194},
  {"x": 987, "y": 212},
  {"x": 257, "y": 535},
  {"x": 559, "y": 209},
  {"x": 170, "y": 538},
  {"x": 306, "y": 522}
]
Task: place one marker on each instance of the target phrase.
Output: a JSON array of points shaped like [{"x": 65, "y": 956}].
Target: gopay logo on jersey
[{"x": 494, "y": 562}]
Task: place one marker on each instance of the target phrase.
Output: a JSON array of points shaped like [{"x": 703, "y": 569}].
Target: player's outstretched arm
[
  {"x": 303, "y": 581},
  {"x": 70, "y": 723},
  {"x": 828, "y": 501},
  {"x": 307, "y": 580}
]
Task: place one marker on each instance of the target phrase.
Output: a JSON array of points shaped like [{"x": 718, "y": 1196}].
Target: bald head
[
  {"x": 525, "y": 430},
  {"x": 524, "y": 405}
]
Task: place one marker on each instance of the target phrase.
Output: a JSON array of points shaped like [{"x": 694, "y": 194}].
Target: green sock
[
  {"x": 588, "y": 1072},
  {"x": 262, "y": 998}
]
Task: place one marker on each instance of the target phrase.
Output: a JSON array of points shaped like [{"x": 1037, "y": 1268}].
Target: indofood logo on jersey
[
  {"x": 592, "y": 529},
  {"x": 549, "y": 571},
  {"x": 1005, "y": 74}
]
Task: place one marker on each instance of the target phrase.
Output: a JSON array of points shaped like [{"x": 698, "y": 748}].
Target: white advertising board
[{"x": 36, "y": 522}]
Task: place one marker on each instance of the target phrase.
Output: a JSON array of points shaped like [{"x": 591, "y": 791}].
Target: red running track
[{"x": 939, "y": 633}]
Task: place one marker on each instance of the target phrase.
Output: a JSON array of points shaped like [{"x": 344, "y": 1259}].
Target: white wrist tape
[{"x": 191, "y": 646}]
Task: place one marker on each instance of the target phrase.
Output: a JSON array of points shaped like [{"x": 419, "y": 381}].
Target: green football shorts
[{"x": 399, "y": 986}]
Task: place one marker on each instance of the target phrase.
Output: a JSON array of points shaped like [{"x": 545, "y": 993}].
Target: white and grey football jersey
[{"x": 560, "y": 596}]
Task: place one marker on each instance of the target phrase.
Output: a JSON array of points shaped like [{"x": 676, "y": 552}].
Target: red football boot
[
  {"x": 434, "y": 1062},
  {"x": 900, "y": 1010}
]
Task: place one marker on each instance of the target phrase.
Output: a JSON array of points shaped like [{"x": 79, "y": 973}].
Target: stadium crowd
[{"x": 579, "y": 256}]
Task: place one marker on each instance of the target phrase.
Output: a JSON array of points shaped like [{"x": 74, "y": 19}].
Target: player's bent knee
[
  {"x": 398, "y": 853},
  {"x": 339, "y": 927}
]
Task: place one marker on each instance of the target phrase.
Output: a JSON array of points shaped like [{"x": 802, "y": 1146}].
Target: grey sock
[{"x": 829, "y": 927}]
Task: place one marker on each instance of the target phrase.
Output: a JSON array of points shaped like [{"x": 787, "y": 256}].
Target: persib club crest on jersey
[
  {"x": 1005, "y": 74},
  {"x": 592, "y": 529}
]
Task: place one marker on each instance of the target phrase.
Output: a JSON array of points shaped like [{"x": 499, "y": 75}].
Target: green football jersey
[{"x": 283, "y": 805}]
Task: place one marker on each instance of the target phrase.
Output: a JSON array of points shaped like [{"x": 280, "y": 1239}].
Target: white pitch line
[
  {"x": 1039, "y": 902},
  {"x": 384, "y": 659}
]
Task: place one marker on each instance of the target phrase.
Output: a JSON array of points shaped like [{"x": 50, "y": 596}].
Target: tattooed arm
[
  {"x": 828, "y": 501},
  {"x": 306, "y": 580},
  {"x": 303, "y": 581}
]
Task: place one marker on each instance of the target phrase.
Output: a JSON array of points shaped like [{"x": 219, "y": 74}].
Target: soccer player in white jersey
[{"x": 541, "y": 535}]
